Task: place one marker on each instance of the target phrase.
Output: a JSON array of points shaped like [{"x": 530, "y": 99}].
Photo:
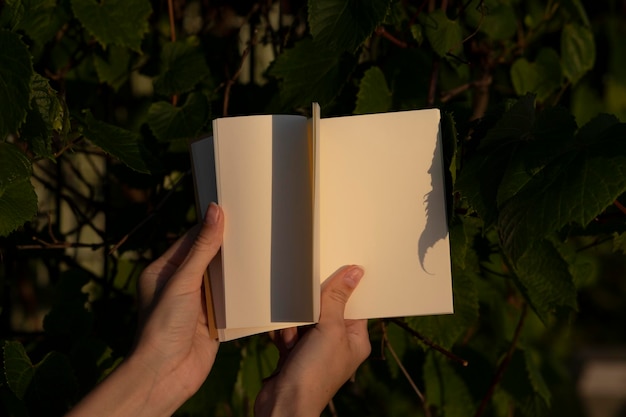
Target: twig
[
  {"x": 382, "y": 32},
  {"x": 42, "y": 244},
  {"x": 404, "y": 370},
  {"x": 231, "y": 81},
  {"x": 150, "y": 216},
  {"x": 429, "y": 343},
  {"x": 332, "y": 409},
  {"x": 450, "y": 94},
  {"x": 432, "y": 86},
  {"x": 504, "y": 364},
  {"x": 620, "y": 206},
  {"x": 170, "y": 12}
]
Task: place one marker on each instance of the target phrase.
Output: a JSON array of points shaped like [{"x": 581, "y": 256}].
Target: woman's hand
[
  {"x": 174, "y": 352},
  {"x": 311, "y": 370}
]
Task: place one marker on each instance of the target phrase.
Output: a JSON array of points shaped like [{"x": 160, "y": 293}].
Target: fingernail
[
  {"x": 212, "y": 214},
  {"x": 353, "y": 276}
]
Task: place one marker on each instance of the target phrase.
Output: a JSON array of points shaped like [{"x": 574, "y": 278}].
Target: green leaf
[
  {"x": 480, "y": 180},
  {"x": 445, "y": 389},
  {"x": 343, "y": 25},
  {"x": 18, "y": 205},
  {"x": 11, "y": 14},
  {"x": 445, "y": 330},
  {"x": 310, "y": 73},
  {"x": 169, "y": 123},
  {"x": 445, "y": 35},
  {"x": 574, "y": 187},
  {"x": 374, "y": 95},
  {"x": 47, "y": 114},
  {"x": 546, "y": 280},
  {"x": 53, "y": 387},
  {"x": 114, "y": 22},
  {"x": 40, "y": 20},
  {"x": 259, "y": 358},
  {"x": 18, "y": 201},
  {"x": 578, "y": 51},
  {"x": 527, "y": 393},
  {"x": 619, "y": 242},
  {"x": 183, "y": 66},
  {"x": 541, "y": 77},
  {"x": 16, "y": 72},
  {"x": 123, "y": 144},
  {"x": 449, "y": 134},
  {"x": 15, "y": 167},
  {"x": 493, "y": 18},
  {"x": 114, "y": 68},
  {"x": 18, "y": 369}
]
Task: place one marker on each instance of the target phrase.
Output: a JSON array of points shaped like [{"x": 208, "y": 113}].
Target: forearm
[{"x": 131, "y": 390}]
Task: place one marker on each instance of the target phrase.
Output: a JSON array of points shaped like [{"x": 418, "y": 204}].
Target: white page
[
  {"x": 264, "y": 189},
  {"x": 382, "y": 206}
]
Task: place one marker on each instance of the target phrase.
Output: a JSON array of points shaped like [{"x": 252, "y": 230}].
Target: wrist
[{"x": 284, "y": 399}]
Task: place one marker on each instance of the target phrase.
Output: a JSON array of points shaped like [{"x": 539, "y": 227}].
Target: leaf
[
  {"x": 47, "y": 114},
  {"x": 169, "y": 123},
  {"x": 11, "y": 14},
  {"x": 114, "y": 22},
  {"x": 114, "y": 68},
  {"x": 445, "y": 35},
  {"x": 16, "y": 72},
  {"x": 527, "y": 393},
  {"x": 18, "y": 369},
  {"x": 495, "y": 19},
  {"x": 343, "y": 25},
  {"x": 445, "y": 389},
  {"x": 18, "y": 201},
  {"x": 183, "y": 66},
  {"x": 374, "y": 95},
  {"x": 546, "y": 280},
  {"x": 449, "y": 135},
  {"x": 541, "y": 77},
  {"x": 18, "y": 205},
  {"x": 445, "y": 330},
  {"x": 574, "y": 187},
  {"x": 40, "y": 20},
  {"x": 619, "y": 242},
  {"x": 310, "y": 73},
  {"x": 578, "y": 51},
  {"x": 123, "y": 144},
  {"x": 480, "y": 179},
  {"x": 53, "y": 387}
]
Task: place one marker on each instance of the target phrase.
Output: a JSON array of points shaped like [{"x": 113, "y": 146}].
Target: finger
[
  {"x": 336, "y": 291},
  {"x": 156, "y": 275},
  {"x": 205, "y": 246}
]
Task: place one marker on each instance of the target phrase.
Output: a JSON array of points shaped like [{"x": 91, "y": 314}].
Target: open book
[{"x": 303, "y": 197}]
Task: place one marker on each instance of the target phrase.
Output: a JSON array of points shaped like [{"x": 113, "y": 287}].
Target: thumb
[
  {"x": 336, "y": 291},
  {"x": 205, "y": 245}
]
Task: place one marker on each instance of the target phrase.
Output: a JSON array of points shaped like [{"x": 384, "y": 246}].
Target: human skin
[{"x": 312, "y": 369}]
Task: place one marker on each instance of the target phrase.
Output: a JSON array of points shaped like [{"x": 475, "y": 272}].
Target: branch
[
  {"x": 150, "y": 216},
  {"x": 170, "y": 12},
  {"x": 504, "y": 364},
  {"x": 382, "y": 32},
  {"x": 432, "y": 86},
  {"x": 244, "y": 55},
  {"x": 404, "y": 371},
  {"x": 429, "y": 343}
]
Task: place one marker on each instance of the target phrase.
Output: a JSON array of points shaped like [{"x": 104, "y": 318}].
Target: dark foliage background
[{"x": 99, "y": 99}]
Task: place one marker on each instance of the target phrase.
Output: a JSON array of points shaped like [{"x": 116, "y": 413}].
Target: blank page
[
  {"x": 264, "y": 188},
  {"x": 382, "y": 206}
]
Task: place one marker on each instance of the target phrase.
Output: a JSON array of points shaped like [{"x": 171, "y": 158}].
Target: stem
[
  {"x": 504, "y": 364},
  {"x": 170, "y": 12},
  {"x": 150, "y": 216},
  {"x": 382, "y": 32},
  {"x": 429, "y": 343},
  {"x": 404, "y": 371}
]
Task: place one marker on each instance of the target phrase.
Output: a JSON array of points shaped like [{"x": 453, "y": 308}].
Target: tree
[{"x": 98, "y": 101}]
